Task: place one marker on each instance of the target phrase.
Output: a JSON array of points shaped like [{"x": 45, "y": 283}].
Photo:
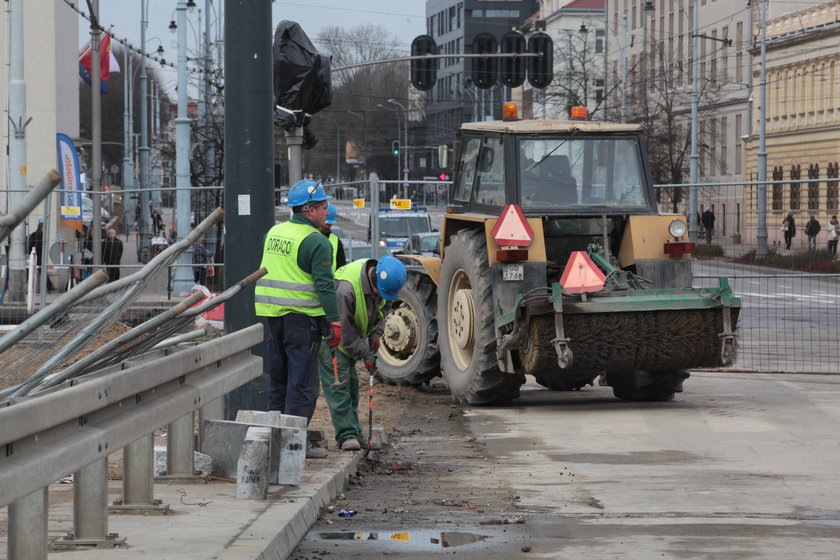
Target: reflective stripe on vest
[
  {"x": 286, "y": 288},
  {"x": 353, "y": 273},
  {"x": 334, "y": 242}
]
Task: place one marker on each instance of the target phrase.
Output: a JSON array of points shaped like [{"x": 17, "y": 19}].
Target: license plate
[{"x": 513, "y": 272}]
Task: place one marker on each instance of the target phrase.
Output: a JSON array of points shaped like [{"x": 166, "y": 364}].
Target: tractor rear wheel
[
  {"x": 468, "y": 338},
  {"x": 408, "y": 350}
]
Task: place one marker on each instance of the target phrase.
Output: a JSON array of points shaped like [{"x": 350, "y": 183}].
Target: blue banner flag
[{"x": 70, "y": 208}]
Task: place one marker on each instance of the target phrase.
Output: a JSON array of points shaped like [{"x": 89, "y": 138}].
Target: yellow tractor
[{"x": 555, "y": 262}]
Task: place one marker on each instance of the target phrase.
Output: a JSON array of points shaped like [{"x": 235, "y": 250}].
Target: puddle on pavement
[{"x": 406, "y": 539}]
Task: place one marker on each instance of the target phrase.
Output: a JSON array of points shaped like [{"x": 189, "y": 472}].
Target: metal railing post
[
  {"x": 28, "y": 527},
  {"x": 180, "y": 447},
  {"x": 138, "y": 479},
  {"x": 214, "y": 410}
]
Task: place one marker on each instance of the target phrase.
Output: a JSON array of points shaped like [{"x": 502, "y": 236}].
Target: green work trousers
[{"x": 343, "y": 401}]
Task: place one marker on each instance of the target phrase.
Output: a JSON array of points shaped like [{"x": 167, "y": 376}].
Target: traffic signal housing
[
  {"x": 395, "y": 147},
  {"x": 485, "y": 70},
  {"x": 540, "y": 68},
  {"x": 423, "y": 71},
  {"x": 513, "y": 68}
]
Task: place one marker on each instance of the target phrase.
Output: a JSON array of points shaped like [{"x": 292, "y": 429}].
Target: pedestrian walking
[
  {"x": 201, "y": 256},
  {"x": 362, "y": 288},
  {"x": 789, "y": 229},
  {"x": 812, "y": 229},
  {"x": 833, "y": 233},
  {"x": 297, "y": 297},
  {"x": 708, "y": 221},
  {"x": 112, "y": 250}
]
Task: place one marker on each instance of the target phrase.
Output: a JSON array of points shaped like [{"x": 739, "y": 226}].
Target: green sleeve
[{"x": 315, "y": 258}]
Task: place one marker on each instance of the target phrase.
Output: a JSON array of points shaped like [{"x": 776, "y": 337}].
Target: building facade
[
  {"x": 802, "y": 121},
  {"x": 454, "y": 24}
]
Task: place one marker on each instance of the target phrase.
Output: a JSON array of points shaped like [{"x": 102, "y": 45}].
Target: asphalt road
[{"x": 739, "y": 466}]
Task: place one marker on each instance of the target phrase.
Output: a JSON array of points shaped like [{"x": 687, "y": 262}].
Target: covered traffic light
[
  {"x": 423, "y": 71},
  {"x": 513, "y": 68},
  {"x": 484, "y": 69},
  {"x": 395, "y": 147},
  {"x": 540, "y": 68}
]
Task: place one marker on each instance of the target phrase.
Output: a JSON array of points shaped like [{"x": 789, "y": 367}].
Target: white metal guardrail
[{"x": 74, "y": 428}]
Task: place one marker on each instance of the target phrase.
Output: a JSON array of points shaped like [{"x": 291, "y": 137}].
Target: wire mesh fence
[
  {"x": 789, "y": 320},
  {"x": 86, "y": 316}
]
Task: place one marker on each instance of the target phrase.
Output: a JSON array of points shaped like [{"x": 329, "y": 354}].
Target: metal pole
[
  {"x": 624, "y": 73},
  {"x": 183, "y": 272},
  {"x": 128, "y": 176},
  {"x": 90, "y": 501},
  {"x": 17, "y": 154},
  {"x": 337, "y": 151},
  {"x": 695, "y": 101},
  {"x": 209, "y": 155},
  {"x": 761, "y": 235},
  {"x": 569, "y": 100},
  {"x": 96, "y": 137},
  {"x": 294, "y": 141},
  {"x": 28, "y": 527},
  {"x": 143, "y": 226}
]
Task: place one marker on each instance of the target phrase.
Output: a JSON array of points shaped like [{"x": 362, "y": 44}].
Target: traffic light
[
  {"x": 540, "y": 68},
  {"x": 484, "y": 70},
  {"x": 395, "y": 147},
  {"x": 423, "y": 72},
  {"x": 513, "y": 69},
  {"x": 444, "y": 176}
]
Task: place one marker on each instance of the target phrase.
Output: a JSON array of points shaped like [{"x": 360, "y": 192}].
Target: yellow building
[{"x": 802, "y": 120}]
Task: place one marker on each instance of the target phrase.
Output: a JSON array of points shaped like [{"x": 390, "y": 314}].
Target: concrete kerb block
[
  {"x": 202, "y": 463},
  {"x": 252, "y": 469}
]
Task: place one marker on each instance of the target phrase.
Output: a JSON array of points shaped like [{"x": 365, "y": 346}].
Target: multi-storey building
[
  {"x": 454, "y": 24},
  {"x": 802, "y": 120}
]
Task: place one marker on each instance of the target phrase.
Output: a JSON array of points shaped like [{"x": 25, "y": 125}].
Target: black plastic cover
[{"x": 301, "y": 75}]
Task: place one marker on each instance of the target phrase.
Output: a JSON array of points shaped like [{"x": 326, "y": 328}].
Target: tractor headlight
[{"x": 677, "y": 228}]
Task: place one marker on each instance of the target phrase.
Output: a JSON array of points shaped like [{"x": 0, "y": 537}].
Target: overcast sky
[{"x": 404, "y": 19}]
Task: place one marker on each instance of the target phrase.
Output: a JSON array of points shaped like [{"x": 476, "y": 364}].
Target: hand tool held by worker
[{"x": 335, "y": 339}]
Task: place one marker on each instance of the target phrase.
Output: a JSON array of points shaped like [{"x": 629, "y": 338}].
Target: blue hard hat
[
  {"x": 306, "y": 191},
  {"x": 331, "y": 213},
  {"x": 390, "y": 277}
]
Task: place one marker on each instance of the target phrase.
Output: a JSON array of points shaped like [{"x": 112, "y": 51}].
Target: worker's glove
[
  {"x": 369, "y": 366},
  {"x": 335, "y": 340},
  {"x": 374, "y": 345}
]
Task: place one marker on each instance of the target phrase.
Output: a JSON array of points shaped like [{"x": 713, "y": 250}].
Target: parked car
[
  {"x": 426, "y": 244},
  {"x": 354, "y": 250},
  {"x": 87, "y": 213}
]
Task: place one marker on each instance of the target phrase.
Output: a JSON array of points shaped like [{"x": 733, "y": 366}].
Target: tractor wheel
[
  {"x": 540, "y": 359},
  {"x": 646, "y": 385},
  {"x": 408, "y": 351},
  {"x": 468, "y": 338}
]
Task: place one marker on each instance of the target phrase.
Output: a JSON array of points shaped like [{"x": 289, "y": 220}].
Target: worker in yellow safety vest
[
  {"x": 297, "y": 296},
  {"x": 362, "y": 288}
]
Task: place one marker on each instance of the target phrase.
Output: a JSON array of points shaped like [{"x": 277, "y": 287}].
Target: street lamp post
[
  {"x": 143, "y": 226},
  {"x": 183, "y": 272}
]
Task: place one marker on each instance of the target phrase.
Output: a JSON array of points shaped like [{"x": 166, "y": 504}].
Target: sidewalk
[{"x": 206, "y": 521}]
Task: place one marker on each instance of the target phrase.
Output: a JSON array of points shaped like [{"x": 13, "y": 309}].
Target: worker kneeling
[{"x": 362, "y": 288}]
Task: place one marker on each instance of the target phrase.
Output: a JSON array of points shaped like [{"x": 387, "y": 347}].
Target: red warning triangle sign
[
  {"x": 581, "y": 274},
  {"x": 512, "y": 228}
]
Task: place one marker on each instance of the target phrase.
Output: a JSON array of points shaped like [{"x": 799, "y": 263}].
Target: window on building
[
  {"x": 724, "y": 56},
  {"x": 724, "y": 135},
  {"x": 450, "y": 24},
  {"x": 713, "y": 142},
  {"x": 599, "y": 41},
  {"x": 832, "y": 186},
  {"x": 460, "y": 14},
  {"x": 430, "y": 25},
  {"x": 713, "y": 56},
  {"x": 795, "y": 197},
  {"x": 778, "y": 188},
  {"x": 814, "y": 188},
  {"x": 599, "y": 91}
]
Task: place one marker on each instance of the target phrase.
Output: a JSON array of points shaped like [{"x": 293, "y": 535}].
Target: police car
[{"x": 396, "y": 226}]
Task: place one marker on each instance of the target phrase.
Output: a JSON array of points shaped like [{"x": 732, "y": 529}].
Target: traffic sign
[
  {"x": 581, "y": 274},
  {"x": 359, "y": 202},
  {"x": 400, "y": 204},
  {"x": 405, "y": 169},
  {"x": 512, "y": 228}
]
